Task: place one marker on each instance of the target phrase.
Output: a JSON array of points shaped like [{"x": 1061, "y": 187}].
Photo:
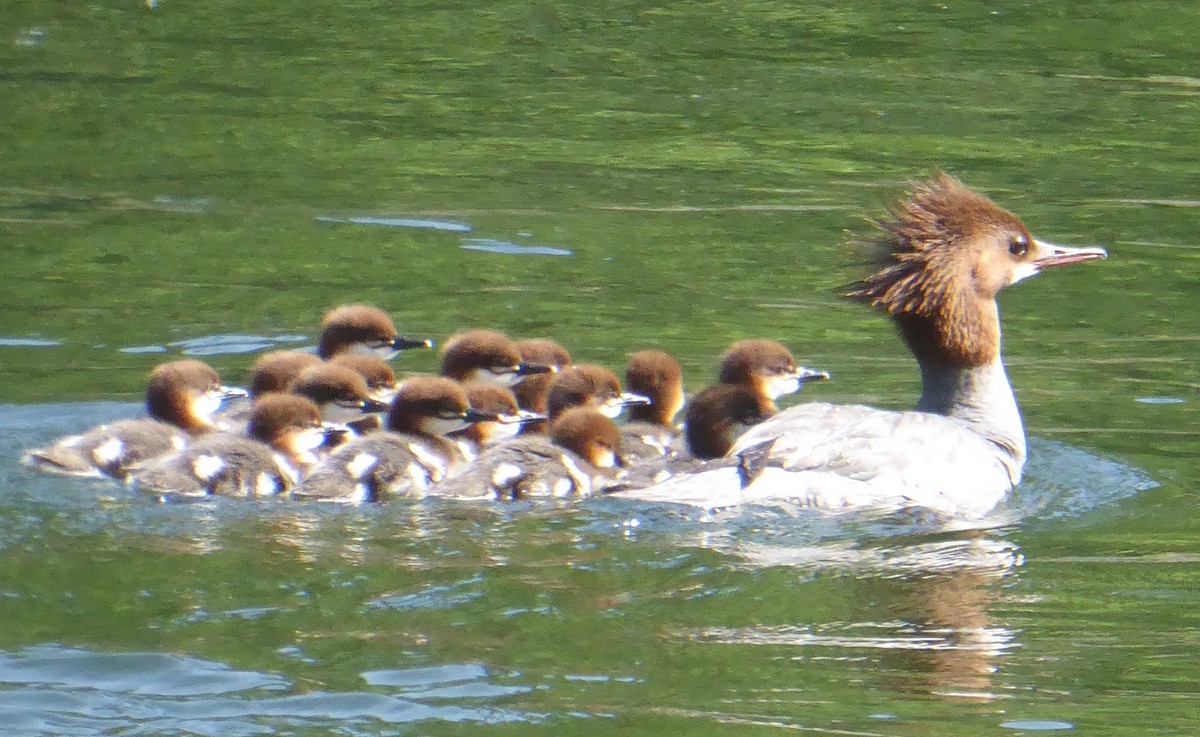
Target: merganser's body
[
  {"x": 946, "y": 253},
  {"x": 283, "y": 433},
  {"x": 409, "y": 457},
  {"x": 579, "y": 457},
  {"x": 182, "y": 398}
]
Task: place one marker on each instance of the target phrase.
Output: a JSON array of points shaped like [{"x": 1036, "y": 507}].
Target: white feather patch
[
  {"x": 108, "y": 452},
  {"x": 360, "y": 465},
  {"x": 506, "y": 473},
  {"x": 433, "y": 463},
  {"x": 581, "y": 482},
  {"x": 207, "y": 466}
]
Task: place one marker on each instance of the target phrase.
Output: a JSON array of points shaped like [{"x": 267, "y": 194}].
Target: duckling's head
[
  {"x": 187, "y": 393},
  {"x": 488, "y": 356},
  {"x": 766, "y": 367},
  {"x": 380, "y": 378},
  {"x": 363, "y": 329},
  {"x": 943, "y": 255},
  {"x": 590, "y": 434},
  {"x": 657, "y": 376}
]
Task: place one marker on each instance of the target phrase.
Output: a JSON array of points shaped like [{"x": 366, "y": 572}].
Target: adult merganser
[
  {"x": 589, "y": 384},
  {"x": 283, "y": 433},
  {"x": 406, "y": 459},
  {"x": 363, "y": 329},
  {"x": 531, "y": 393},
  {"x": 580, "y": 457},
  {"x": 766, "y": 367},
  {"x": 649, "y": 432},
  {"x": 500, "y": 403},
  {"x": 488, "y": 356},
  {"x": 181, "y": 398},
  {"x": 945, "y": 254}
]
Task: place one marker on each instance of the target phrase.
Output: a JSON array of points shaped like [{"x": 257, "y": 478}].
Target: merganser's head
[
  {"x": 945, "y": 253},
  {"x": 589, "y": 434},
  {"x": 531, "y": 393},
  {"x": 658, "y": 376},
  {"x": 718, "y": 415},
  {"x": 363, "y": 329},
  {"x": 588, "y": 384},
  {"x": 187, "y": 394},
  {"x": 500, "y": 403},
  {"x": 488, "y": 356},
  {"x": 432, "y": 405},
  {"x": 380, "y": 378},
  {"x": 766, "y": 367},
  {"x": 291, "y": 424},
  {"x": 273, "y": 371},
  {"x": 341, "y": 393}
]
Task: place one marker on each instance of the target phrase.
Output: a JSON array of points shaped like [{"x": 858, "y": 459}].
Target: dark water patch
[
  {"x": 399, "y": 222},
  {"x": 492, "y": 245}
]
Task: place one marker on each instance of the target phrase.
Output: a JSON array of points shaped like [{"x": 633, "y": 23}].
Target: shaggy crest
[{"x": 926, "y": 279}]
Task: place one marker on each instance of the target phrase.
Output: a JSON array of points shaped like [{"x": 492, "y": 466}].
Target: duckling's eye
[
  {"x": 449, "y": 414},
  {"x": 505, "y": 369},
  {"x": 1019, "y": 246}
]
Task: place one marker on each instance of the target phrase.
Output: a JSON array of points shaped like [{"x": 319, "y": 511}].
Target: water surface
[{"x": 208, "y": 179}]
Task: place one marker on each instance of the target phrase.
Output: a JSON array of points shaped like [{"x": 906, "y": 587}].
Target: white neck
[{"x": 982, "y": 398}]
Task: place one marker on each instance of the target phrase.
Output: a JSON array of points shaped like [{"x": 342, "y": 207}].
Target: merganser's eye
[
  {"x": 449, "y": 414},
  {"x": 1019, "y": 246}
]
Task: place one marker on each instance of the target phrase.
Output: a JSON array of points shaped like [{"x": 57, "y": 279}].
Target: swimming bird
[
  {"x": 279, "y": 444},
  {"x": 649, "y": 431},
  {"x": 409, "y": 457},
  {"x": 580, "y": 457},
  {"x": 531, "y": 393},
  {"x": 182, "y": 398},
  {"x": 944, "y": 254},
  {"x": 488, "y": 356},
  {"x": 363, "y": 329},
  {"x": 767, "y": 368}
]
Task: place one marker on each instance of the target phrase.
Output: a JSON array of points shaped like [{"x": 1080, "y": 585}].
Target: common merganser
[
  {"x": 340, "y": 392},
  {"x": 283, "y": 433},
  {"x": 363, "y": 329},
  {"x": 380, "y": 378},
  {"x": 488, "y": 356},
  {"x": 531, "y": 393},
  {"x": 589, "y": 384},
  {"x": 766, "y": 367},
  {"x": 406, "y": 459},
  {"x": 181, "y": 398},
  {"x": 500, "y": 403},
  {"x": 945, "y": 253},
  {"x": 274, "y": 370},
  {"x": 649, "y": 432},
  {"x": 580, "y": 457}
]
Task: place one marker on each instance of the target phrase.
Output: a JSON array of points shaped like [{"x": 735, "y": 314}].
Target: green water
[{"x": 163, "y": 174}]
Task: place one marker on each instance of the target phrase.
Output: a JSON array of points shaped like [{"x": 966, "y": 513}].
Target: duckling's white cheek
[
  {"x": 1023, "y": 271},
  {"x": 385, "y": 353},
  {"x": 207, "y": 466},
  {"x": 778, "y": 386},
  {"x": 439, "y": 426},
  {"x": 607, "y": 459},
  {"x": 307, "y": 441},
  {"x": 108, "y": 452},
  {"x": 205, "y": 405},
  {"x": 611, "y": 408},
  {"x": 384, "y": 394}
]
